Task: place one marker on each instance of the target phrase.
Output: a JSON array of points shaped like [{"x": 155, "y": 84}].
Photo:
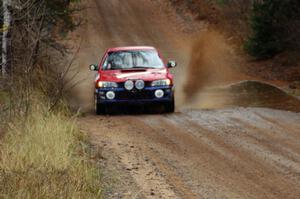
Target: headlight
[
  {"x": 129, "y": 85},
  {"x": 163, "y": 82},
  {"x": 107, "y": 84},
  {"x": 110, "y": 95},
  {"x": 159, "y": 93},
  {"x": 139, "y": 84}
]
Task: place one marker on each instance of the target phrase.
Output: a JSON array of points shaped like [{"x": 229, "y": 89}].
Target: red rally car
[{"x": 133, "y": 75}]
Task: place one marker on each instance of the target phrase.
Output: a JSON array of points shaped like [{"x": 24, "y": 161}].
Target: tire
[
  {"x": 99, "y": 108},
  {"x": 170, "y": 106}
]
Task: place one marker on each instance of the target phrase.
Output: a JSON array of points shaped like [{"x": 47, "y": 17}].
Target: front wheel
[
  {"x": 99, "y": 108},
  {"x": 170, "y": 106}
]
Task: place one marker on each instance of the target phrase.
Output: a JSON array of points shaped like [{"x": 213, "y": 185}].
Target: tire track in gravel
[
  {"x": 242, "y": 154},
  {"x": 172, "y": 159}
]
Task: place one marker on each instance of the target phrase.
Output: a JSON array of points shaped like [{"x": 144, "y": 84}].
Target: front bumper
[{"x": 135, "y": 96}]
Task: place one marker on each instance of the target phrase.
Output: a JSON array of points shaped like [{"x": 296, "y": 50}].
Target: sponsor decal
[{"x": 136, "y": 74}]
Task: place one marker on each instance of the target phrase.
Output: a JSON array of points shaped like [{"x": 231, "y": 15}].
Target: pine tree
[{"x": 270, "y": 23}]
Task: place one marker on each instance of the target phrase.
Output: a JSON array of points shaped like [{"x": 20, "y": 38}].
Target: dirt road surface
[
  {"x": 225, "y": 153},
  {"x": 231, "y": 153}
]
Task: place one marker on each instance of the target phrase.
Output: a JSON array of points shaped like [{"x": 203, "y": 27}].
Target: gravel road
[{"x": 195, "y": 153}]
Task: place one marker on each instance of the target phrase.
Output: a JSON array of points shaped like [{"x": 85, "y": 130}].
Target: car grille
[
  {"x": 121, "y": 84},
  {"x": 135, "y": 95}
]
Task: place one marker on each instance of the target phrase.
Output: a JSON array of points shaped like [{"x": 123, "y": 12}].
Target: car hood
[{"x": 123, "y": 75}]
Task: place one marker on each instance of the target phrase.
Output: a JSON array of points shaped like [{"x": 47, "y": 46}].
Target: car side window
[{"x": 106, "y": 65}]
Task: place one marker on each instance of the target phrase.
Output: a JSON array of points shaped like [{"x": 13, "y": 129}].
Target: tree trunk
[{"x": 5, "y": 39}]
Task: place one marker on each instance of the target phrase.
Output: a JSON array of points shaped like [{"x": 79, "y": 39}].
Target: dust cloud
[
  {"x": 212, "y": 62},
  {"x": 213, "y": 79},
  {"x": 246, "y": 93}
]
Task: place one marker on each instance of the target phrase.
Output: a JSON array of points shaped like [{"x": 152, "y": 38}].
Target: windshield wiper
[
  {"x": 143, "y": 67},
  {"x": 139, "y": 67}
]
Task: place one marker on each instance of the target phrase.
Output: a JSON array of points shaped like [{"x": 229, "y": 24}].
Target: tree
[
  {"x": 275, "y": 26},
  {"x": 31, "y": 44},
  {"x": 5, "y": 39}
]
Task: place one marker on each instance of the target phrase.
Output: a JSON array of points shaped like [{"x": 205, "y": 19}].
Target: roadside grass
[
  {"x": 44, "y": 155},
  {"x": 4, "y": 98}
]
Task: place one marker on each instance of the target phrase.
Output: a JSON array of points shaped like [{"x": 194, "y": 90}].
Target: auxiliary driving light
[
  {"x": 129, "y": 85},
  {"x": 159, "y": 93},
  {"x": 139, "y": 84},
  {"x": 110, "y": 95}
]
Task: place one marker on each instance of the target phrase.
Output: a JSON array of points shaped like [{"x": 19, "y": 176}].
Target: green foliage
[
  {"x": 221, "y": 2},
  {"x": 264, "y": 41},
  {"x": 271, "y": 22}
]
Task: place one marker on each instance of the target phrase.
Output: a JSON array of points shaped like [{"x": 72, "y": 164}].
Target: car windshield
[{"x": 133, "y": 59}]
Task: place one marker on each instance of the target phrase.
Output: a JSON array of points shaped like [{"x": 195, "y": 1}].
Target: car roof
[{"x": 130, "y": 48}]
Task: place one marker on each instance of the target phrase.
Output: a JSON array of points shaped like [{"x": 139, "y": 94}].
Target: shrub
[{"x": 275, "y": 25}]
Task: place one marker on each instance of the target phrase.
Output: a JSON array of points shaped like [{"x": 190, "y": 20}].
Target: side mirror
[
  {"x": 93, "y": 67},
  {"x": 171, "y": 64}
]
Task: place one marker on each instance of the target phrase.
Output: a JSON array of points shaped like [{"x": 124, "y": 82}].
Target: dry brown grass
[{"x": 45, "y": 156}]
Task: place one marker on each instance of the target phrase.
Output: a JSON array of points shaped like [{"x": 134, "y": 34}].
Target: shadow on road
[{"x": 137, "y": 110}]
